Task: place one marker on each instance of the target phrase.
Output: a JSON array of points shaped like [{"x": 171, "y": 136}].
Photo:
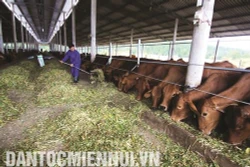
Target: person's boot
[{"x": 75, "y": 79}]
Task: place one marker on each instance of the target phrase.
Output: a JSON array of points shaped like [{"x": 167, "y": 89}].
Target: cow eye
[
  {"x": 179, "y": 107},
  {"x": 204, "y": 114}
]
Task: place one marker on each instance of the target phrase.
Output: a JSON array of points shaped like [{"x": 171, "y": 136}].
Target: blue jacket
[{"x": 74, "y": 57}]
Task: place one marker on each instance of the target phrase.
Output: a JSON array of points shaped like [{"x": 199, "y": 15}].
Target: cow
[
  {"x": 212, "y": 108},
  {"x": 215, "y": 83},
  {"x": 115, "y": 64},
  {"x": 238, "y": 122},
  {"x": 147, "y": 83},
  {"x": 207, "y": 72},
  {"x": 176, "y": 74},
  {"x": 116, "y": 74},
  {"x": 129, "y": 80}
]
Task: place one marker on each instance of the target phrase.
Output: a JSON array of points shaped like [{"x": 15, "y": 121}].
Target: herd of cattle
[{"x": 211, "y": 103}]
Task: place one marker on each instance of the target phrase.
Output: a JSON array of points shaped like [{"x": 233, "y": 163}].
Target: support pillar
[
  {"x": 1, "y": 37},
  {"x": 110, "y": 52},
  {"x": 139, "y": 52},
  {"x": 22, "y": 35},
  {"x": 93, "y": 30},
  {"x": 73, "y": 25},
  {"x": 14, "y": 28},
  {"x": 65, "y": 32},
  {"x": 216, "y": 50},
  {"x": 131, "y": 42},
  {"x": 174, "y": 37},
  {"x": 202, "y": 25},
  {"x": 60, "y": 40}
]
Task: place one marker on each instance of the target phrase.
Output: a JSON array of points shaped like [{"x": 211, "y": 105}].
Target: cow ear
[
  {"x": 193, "y": 107},
  {"x": 148, "y": 94}
]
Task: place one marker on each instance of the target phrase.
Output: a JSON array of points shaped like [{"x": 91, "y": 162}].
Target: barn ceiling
[{"x": 151, "y": 20}]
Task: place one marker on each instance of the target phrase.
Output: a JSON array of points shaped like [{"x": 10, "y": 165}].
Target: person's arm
[{"x": 66, "y": 57}]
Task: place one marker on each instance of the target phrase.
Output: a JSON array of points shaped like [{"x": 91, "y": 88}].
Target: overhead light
[{"x": 42, "y": 29}]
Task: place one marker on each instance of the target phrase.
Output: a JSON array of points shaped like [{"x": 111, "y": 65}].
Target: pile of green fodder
[
  {"x": 14, "y": 78},
  {"x": 55, "y": 86},
  {"x": 105, "y": 120},
  {"x": 98, "y": 118},
  {"x": 235, "y": 153}
]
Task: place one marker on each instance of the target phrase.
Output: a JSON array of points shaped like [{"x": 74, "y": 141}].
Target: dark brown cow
[
  {"x": 128, "y": 81},
  {"x": 116, "y": 63},
  {"x": 213, "y": 107},
  {"x": 215, "y": 83},
  {"x": 238, "y": 123},
  {"x": 147, "y": 83},
  {"x": 176, "y": 74}
]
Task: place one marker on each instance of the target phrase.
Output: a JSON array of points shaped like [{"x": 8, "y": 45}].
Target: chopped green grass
[{"x": 98, "y": 118}]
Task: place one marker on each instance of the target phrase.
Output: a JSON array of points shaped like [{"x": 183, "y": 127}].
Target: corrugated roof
[{"x": 152, "y": 20}]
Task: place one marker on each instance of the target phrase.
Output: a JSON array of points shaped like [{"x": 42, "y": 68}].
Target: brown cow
[
  {"x": 146, "y": 83},
  {"x": 176, "y": 74},
  {"x": 116, "y": 63},
  {"x": 129, "y": 80},
  {"x": 216, "y": 83},
  {"x": 213, "y": 107},
  {"x": 168, "y": 95},
  {"x": 207, "y": 72},
  {"x": 238, "y": 123}
]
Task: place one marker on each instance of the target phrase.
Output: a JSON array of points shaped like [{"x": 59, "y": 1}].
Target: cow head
[
  {"x": 241, "y": 116},
  {"x": 156, "y": 94},
  {"x": 209, "y": 117},
  {"x": 237, "y": 136},
  {"x": 169, "y": 91},
  {"x": 238, "y": 123},
  {"x": 127, "y": 82},
  {"x": 142, "y": 86},
  {"x": 121, "y": 81},
  {"x": 182, "y": 108}
]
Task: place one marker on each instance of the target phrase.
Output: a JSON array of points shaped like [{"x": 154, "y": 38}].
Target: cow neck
[{"x": 239, "y": 91}]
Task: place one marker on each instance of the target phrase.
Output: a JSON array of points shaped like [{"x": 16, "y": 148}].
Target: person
[{"x": 75, "y": 60}]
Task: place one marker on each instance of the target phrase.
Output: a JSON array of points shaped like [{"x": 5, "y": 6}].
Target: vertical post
[
  {"x": 110, "y": 53},
  {"x": 14, "y": 27},
  {"x": 202, "y": 25},
  {"x": 93, "y": 30},
  {"x": 216, "y": 50},
  {"x": 65, "y": 32},
  {"x": 22, "y": 35},
  {"x": 169, "y": 50},
  {"x": 116, "y": 49},
  {"x": 1, "y": 37},
  {"x": 142, "y": 51},
  {"x": 60, "y": 39},
  {"x": 174, "y": 37},
  {"x": 28, "y": 40},
  {"x": 26, "y": 37},
  {"x": 73, "y": 24},
  {"x": 131, "y": 41},
  {"x": 138, "y": 52}
]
